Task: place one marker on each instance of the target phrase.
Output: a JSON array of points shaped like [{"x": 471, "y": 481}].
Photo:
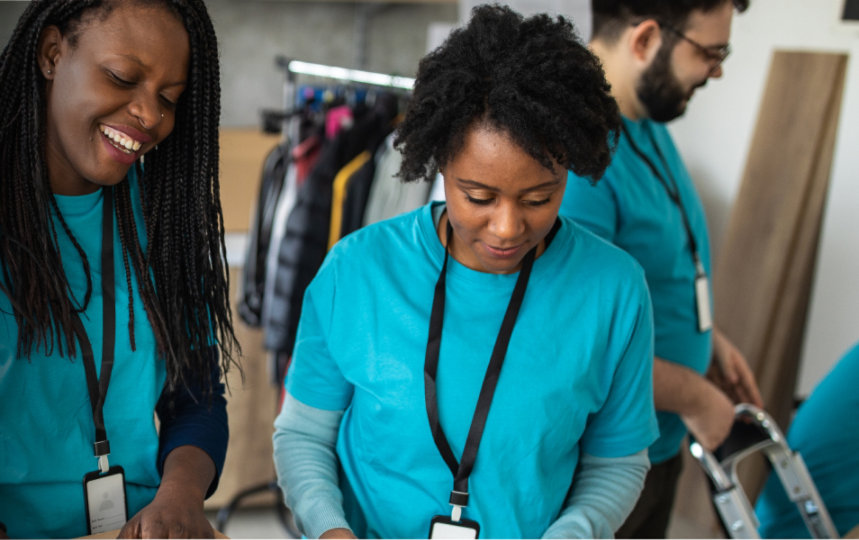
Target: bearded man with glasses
[{"x": 656, "y": 54}]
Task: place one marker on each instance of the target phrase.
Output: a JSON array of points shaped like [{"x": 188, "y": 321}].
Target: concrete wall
[{"x": 251, "y": 33}]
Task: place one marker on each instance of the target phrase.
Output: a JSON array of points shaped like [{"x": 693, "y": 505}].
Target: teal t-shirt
[
  {"x": 824, "y": 433},
  {"x": 47, "y": 428},
  {"x": 577, "y": 375},
  {"x": 630, "y": 208}
]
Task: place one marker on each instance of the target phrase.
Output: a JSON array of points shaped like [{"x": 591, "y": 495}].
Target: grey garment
[{"x": 390, "y": 196}]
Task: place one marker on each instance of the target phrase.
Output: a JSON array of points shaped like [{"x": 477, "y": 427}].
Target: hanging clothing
[
  {"x": 389, "y": 196},
  {"x": 254, "y": 270},
  {"x": 305, "y": 241}
]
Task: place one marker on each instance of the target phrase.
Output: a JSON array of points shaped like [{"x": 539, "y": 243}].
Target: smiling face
[
  {"x": 111, "y": 93},
  {"x": 501, "y": 202},
  {"x": 677, "y": 70}
]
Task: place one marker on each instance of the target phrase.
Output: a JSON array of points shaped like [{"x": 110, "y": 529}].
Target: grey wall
[{"x": 252, "y": 33}]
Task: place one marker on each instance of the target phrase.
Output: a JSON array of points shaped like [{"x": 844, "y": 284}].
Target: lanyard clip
[
  {"x": 101, "y": 449},
  {"x": 458, "y": 499}
]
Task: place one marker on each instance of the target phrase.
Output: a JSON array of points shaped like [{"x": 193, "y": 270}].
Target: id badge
[
  {"x": 702, "y": 300},
  {"x": 444, "y": 527},
  {"x": 104, "y": 498}
]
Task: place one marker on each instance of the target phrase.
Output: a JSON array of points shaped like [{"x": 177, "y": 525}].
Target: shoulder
[
  {"x": 399, "y": 241},
  {"x": 588, "y": 250}
]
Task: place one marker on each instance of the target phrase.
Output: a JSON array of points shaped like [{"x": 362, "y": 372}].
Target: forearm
[
  {"x": 679, "y": 389},
  {"x": 306, "y": 463},
  {"x": 188, "y": 470},
  {"x": 191, "y": 418},
  {"x": 604, "y": 492}
]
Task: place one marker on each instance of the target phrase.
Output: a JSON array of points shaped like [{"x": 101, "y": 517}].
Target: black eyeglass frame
[{"x": 715, "y": 53}]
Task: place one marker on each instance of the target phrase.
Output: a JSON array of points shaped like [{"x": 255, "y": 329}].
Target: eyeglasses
[{"x": 714, "y": 53}]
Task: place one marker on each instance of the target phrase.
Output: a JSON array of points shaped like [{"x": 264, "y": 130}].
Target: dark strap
[
  {"x": 97, "y": 386},
  {"x": 462, "y": 470},
  {"x": 672, "y": 190}
]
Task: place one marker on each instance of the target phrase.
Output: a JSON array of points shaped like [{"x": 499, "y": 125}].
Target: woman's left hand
[
  {"x": 172, "y": 514},
  {"x": 177, "y": 509},
  {"x": 730, "y": 371}
]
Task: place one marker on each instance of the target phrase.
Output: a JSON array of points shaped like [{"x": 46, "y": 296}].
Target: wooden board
[
  {"x": 763, "y": 277},
  {"x": 243, "y": 152}
]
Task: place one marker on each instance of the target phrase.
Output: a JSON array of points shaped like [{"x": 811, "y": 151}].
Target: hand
[
  {"x": 173, "y": 513},
  {"x": 337, "y": 533},
  {"x": 730, "y": 371},
  {"x": 711, "y": 419}
]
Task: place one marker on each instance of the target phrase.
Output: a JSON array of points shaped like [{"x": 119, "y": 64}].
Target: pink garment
[{"x": 337, "y": 119}]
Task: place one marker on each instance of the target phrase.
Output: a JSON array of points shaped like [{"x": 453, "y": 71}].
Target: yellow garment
[{"x": 338, "y": 195}]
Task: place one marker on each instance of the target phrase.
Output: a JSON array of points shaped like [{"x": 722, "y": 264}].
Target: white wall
[{"x": 714, "y": 137}]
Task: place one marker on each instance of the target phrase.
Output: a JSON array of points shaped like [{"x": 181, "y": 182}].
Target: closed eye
[
  {"x": 169, "y": 103},
  {"x": 540, "y": 202},
  {"x": 119, "y": 80},
  {"x": 475, "y": 200}
]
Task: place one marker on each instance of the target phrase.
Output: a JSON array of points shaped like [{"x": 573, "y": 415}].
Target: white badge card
[
  {"x": 104, "y": 497},
  {"x": 702, "y": 299},
  {"x": 444, "y": 527}
]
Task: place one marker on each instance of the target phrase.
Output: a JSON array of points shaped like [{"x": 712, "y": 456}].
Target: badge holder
[
  {"x": 454, "y": 526},
  {"x": 702, "y": 297},
  {"x": 104, "y": 498}
]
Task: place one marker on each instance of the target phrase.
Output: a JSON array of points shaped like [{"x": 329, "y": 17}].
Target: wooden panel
[
  {"x": 243, "y": 152},
  {"x": 763, "y": 278}
]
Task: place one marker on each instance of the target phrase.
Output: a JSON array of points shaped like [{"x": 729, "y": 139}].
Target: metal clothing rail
[{"x": 345, "y": 74}]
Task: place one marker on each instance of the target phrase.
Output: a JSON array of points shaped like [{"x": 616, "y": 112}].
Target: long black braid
[{"x": 182, "y": 274}]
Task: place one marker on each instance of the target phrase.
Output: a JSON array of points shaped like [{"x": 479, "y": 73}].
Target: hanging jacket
[{"x": 305, "y": 241}]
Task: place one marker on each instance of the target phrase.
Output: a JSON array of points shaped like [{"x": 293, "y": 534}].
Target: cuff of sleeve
[
  {"x": 175, "y": 443},
  {"x": 323, "y": 517}
]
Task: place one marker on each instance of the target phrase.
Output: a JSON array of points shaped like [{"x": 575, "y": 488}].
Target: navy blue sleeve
[{"x": 188, "y": 418}]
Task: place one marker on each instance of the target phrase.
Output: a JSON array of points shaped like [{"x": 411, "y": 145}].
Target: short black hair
[
  {"x": 610, "y": 17},
  {"x": 531, "y": 78}
]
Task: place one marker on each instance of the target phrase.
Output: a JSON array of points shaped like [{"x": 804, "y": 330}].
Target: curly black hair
[
  {"x": 184, "y": 284},
  {"x": 530, "y": 78}
]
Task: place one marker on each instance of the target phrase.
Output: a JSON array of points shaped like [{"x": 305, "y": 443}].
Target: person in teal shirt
[
  {"x": 825, "y": 435},
  {"x": 113, "y": 286},
  {"x": 655, "y": 54},
  {"x": 401, "y": 329}
]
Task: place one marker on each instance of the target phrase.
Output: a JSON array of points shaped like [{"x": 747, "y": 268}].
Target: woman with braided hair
[
  {"x": 478, "y": 366},
  {"x": 113, "y": 281}
]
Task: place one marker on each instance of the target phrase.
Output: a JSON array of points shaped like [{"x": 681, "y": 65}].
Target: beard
[{"x": 660, "y": 92}]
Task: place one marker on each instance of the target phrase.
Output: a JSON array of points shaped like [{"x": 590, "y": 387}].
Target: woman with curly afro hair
[
  {"x": 114, "y": 303},
  {"x": 479, "y": 365}
]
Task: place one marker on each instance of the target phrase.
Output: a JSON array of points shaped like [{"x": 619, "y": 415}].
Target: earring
[
  {"x": 162, "y": 115},
  {"x": 49, "y": 72}
]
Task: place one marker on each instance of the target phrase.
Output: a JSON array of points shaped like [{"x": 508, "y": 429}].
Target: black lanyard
[
  {"x": 672, "y": 190},
  {"x": 461, "y": 471},
  {"x": 97, "y": 386}
]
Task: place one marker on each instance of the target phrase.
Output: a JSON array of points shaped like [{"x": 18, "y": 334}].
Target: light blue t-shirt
[
  {"x": 577, "y": 375},
  {"x": 46, "y": 424},
  {"x": 824, "y": 432},
  {"x": 630, "y": 208}
]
